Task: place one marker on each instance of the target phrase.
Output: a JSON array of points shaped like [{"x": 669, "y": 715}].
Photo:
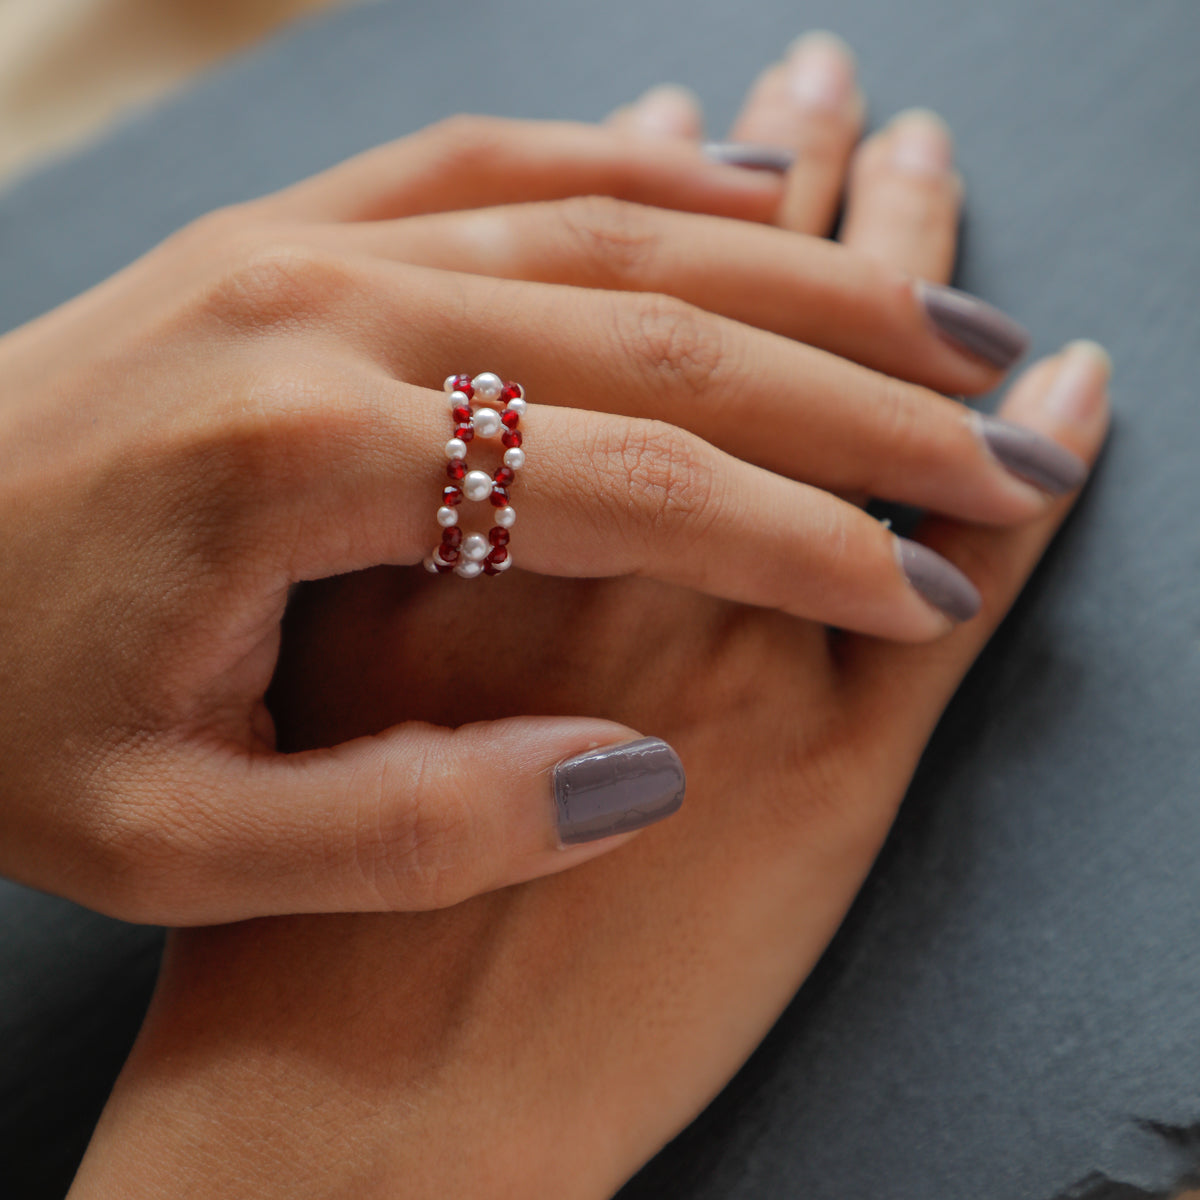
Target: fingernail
[
  {"x": 971, "y": 325},
  {"x": 820, "y": 70},
  {"x": 921, "y": 142},
  {"x": 668, "y": 110},
  {"x": 753, "y": 158},
  {"x": 938, "y": 582},
  {"x": 1077, "y": 393},
  {"x": 616, "y": 789},
  {"x": 1031, "y": 456}
]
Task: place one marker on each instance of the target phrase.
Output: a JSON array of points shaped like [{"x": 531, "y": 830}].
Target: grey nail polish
[
  {"x": 753, "y": 158},
  {"x": 973, "y": 325},
  {"x": 939, "y": 582},
  {"x": 1032, "y": 457},
  {"x": 616, "y": 789}
]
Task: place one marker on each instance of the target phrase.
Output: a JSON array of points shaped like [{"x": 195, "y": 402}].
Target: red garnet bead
[
  {"x": 499, "y": 497},
  {"x": 443, "y": 568},
  {"x": 498, "y": 555},
  {"x": 451, "y": 496},
  {"x": 510, "y": 420},
  {"x": 488, "y": 569},
  {"x": 456, "y": 469},
  {"x": 449, "y": 553},
  {"x": 512, "y": 391},
  {"x": 511, "y": 438},
  {"x": 504, "y": 476},
  {"x": 466, "y": 432},
  {"x": 452, "y": 536},
  {"x": 498, "y": 536},
  {"x": 461, "y": 414},
  {"x": 462, "y": 383}
]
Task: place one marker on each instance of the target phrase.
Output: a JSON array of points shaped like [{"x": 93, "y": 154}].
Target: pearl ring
[{"x": 475, "y": 554}]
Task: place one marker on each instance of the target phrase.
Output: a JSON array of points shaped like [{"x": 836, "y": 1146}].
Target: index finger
[{"x": 472, "y": 162}]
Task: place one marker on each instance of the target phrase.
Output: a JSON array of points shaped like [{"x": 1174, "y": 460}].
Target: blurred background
[{"x": 70, "y": 67}]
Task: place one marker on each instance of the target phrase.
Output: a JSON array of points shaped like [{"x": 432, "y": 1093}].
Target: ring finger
[{"x": 599, "y": 495}]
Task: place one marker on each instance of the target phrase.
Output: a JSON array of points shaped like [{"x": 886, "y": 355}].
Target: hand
[
  {"x": 546, "y": 1040},
  {"x": 253, "y": 405}
]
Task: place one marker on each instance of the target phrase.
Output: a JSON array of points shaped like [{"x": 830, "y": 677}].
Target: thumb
[{"x": 421, "y": 816}]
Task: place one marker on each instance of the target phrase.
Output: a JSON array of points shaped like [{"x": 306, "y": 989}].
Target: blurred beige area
[{"x": 70, "y": 67}]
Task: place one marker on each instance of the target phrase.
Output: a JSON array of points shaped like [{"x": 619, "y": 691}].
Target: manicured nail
[
  {"x": 971, "y": 325},
  {"x": 939, "y": 582},
  {"x": 668, "y": 110},
  {"x": 616, "y": 789},
  {"x": 820, "y": 69},
  {"x": 1077, "y": 393},
  {"x": 753, "y": 158},
  {"x": 1031, "y": 456},
  {"x": 921, "y": 142}
]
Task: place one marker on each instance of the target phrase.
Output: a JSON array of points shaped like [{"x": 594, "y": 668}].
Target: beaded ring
[{"x": 474, "y": 554}]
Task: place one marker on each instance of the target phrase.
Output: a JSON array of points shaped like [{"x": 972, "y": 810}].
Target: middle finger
[{"x": 793, "y": 409}]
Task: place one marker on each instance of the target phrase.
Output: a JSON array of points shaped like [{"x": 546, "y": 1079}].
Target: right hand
[{"x": 257, "y": 403}]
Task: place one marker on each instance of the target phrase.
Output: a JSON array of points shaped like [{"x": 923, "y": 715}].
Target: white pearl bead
[
  {"x": 475, "y": 547},
  {"x": 459, "y": 400},
  {"x": 468, "y": 570},
  {"x": 505, "y": 517},
  {"x": 448, "y": 383},
  {"x": 431, "y": 566},
  {"x": 477, "y": 485},
  {"x": 514, "y": 458},
  {"x": 486, "y": 422},
  {"x": 487, "y": 387},
  {"x": 447, "y": 516},
  {"x": 517, "y": 406},
  {"x": 456, "y": 448}
]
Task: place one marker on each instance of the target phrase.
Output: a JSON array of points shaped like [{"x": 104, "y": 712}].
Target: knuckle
[
  {"x": 459, "y": 140},
  {"x": 660, "y": 479},
  {"x": 265, "y": 286},
  {"x": 672, "y": 341},
  {"x": 900, "y": 414},
  {"x": 216, "y": 233},
  {"x": 413, "y": 834},
  {"x": 612, "y": 240}
]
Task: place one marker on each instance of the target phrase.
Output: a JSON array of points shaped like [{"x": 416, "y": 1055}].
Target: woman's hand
[
  {"x": 547, "y": 1039},
  {"x": 255, "y": 404}
]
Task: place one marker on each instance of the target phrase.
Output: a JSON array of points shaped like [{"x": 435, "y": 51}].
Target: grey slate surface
[{"x": 1019, "y": 984}]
